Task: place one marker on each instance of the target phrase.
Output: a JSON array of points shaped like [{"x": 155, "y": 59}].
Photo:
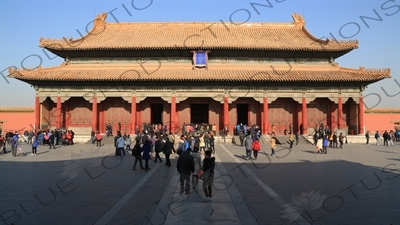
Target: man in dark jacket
[
  {"x": 167, "y": 150},
  {"x": 208, "y": 167},
  {"x": 136, "y": 152},
  {"x": 51, "y": 140},
  {"x": 157, "y": 149},
  {"x": 385, "y": 138},
  {"x": 241, "y": 137},
  {"x": 185, "y": 167}
]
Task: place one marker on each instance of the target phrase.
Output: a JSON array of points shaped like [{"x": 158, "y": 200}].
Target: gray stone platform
[{"x": 83, "y": 184}]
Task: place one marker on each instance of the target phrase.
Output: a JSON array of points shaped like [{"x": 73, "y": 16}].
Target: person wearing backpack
[
  {"x": 136, "y": 152},
  {"x": 377, "y": 136},
  {"x": 183, "y": 145}
]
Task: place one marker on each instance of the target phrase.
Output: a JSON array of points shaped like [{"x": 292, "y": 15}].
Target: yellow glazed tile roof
[
  {"x": 191, "y": 35},
  {"x": 137, "y": 72}
]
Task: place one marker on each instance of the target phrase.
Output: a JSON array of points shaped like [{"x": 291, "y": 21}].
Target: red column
[
  {"x": 58, "y": 121},
  {"x": 340, "y": 111},
  {"x": 226, "y": 112},
  {"x": 333, "y": 115},
  {"x": 299, "y": 118},
  {"x": 37, "y": 113},
  {"x": 139, "y": 117},
  {"x": 102, "y": 123},
  {"x": 361, "y": 116},
  {"x": 173, "y": 127},
  {"x": 133, "y": 115},
  {"x": 304, "y": 114},
  {"x": 94, "y": 114},
  {"x": 265, "y": 115}
]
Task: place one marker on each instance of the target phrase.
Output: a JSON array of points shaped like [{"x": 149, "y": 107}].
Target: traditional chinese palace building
[{"x": 183, "y": 72}]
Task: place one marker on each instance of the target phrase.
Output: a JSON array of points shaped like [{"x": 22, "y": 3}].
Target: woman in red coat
[
  {"x": 256, "y": 148},
  {"x": 69, "y": 137}
]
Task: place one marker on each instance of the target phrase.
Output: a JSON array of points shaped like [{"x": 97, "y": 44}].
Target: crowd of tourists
[
  {"x": 324, "y": 137},
  {"x": 194, "y": 147},
  {"x": 387, "y": 137},
  {"x": 35, "y": 138}
]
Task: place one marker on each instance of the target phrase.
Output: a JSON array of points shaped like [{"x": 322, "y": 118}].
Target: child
[
  {"x": 256, "y": 148},
  {"x": 325, "y": 145}
]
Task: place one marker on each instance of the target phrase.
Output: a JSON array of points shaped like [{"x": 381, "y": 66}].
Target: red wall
[
  {"x": 379, "y": 122},
  {"x": 17, "y": 121}
]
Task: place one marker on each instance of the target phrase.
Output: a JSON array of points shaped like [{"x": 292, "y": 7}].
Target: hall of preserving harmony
[{"x": 269, "y": 74}]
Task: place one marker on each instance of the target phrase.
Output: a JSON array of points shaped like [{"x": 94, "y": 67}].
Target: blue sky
[{"x": 23, "y": 23}]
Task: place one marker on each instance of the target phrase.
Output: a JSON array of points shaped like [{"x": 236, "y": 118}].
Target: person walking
[
  {"x": 157, "y": 149},
  {"x": 273, "y": 146},
  {"x": 185, "y": 167},
  {"x": 167, "y": 150},
  {"x": 256, "y": 148},
  {"x": 385, "y": 136},
  {"x": 202, "y": 144},
  {"x": 128, "y": 143},
  {"x": 146, "y": 153},
  {"x": 14, "y": 144},
  {"x": 120, "y": 145},
  {"x": 98, "y": 139},
  {"x": 341, "y": 138},
  {"x": 51, "y": 140},
  {"x": 2, "y": 144},
  {"x": 212, "y": 143},
  {"x": 208, "y": 169},
  {"x": 391, "y": 137},
  {"x": 93, "y": 136},
  {"x": 291, "y": 139},
  {"x": 35, "y": 143},
  {"x": 367, "y": 137},
  {"x": 241, "y": 138},
  {"x": 297, "y": 137},
  {"x": 377, "y": 137},
  {"x": 197, "y": 167},
  {"x": 136, "y": 152},
  {"x": 248, "y": 143},
  {"x": 335, "y": 141},
  {"x": 320, "y": 145}
]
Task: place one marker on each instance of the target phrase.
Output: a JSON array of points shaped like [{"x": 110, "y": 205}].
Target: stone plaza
[{"x": 84, "y": 184}]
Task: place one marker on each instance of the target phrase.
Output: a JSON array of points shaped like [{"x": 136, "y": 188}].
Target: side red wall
[
  {"x": 380, "y": 122},
  {"x": 17, "y": 121}
]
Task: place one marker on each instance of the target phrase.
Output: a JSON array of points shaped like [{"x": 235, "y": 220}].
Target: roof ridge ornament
[
  {"x": 100, "y": 20},
  {"x": 298, "y": 20}
]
